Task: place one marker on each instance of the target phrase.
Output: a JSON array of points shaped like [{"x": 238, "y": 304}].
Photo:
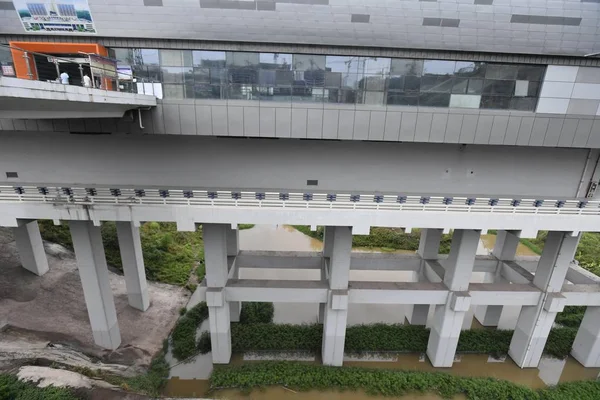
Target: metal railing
[
  {"x": 257, "y": 199},
  {"x": 93, "y": 71}
]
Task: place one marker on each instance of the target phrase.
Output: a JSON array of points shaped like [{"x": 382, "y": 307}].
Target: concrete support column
[
  {"x": 336, "y": 310},
  {"x": 429, "y": 246},
  {"x": 448, "y": 318},
  {"x": 535, "y": 322},
  {"x": 30, "y": 247},
  {"x": 215, "y": 256},
  {"x": 133, "y": 265},
  {"x": 233, "y": 248},
  {"x": 328, "y": 237},
  {"x": 93, "y": 271},
  {"x": 586, "y": 347}
]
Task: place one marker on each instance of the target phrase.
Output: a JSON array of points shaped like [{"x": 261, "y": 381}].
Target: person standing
[
  {"x": 87, "y": 81},
  {"x": 64, "y": 78}
]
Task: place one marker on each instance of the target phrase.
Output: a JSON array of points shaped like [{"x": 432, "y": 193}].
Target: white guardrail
[{"x": 232, "y": 198}]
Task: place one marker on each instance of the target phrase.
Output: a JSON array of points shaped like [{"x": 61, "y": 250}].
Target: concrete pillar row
[
  {"x": 233, "y": 248},
  {"x": 30, "y": 247},
  {"x": 130, "y": 246},
  {"x": 505, "y": 249},
  {"x": 93, "y": 271},
  {"x": 429, "y": 246},
  {"x": 336, "y": 310},
  {"x": 534, "y": 322},
  {"x": 215, "y": 256},
  {"x": 448, "y": 318}
]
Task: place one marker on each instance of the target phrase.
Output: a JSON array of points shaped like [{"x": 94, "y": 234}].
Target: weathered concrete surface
[{"x": 53, "y": 306}]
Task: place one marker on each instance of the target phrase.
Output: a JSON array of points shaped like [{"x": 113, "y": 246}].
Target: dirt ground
[{"x": 53, "y": 306}]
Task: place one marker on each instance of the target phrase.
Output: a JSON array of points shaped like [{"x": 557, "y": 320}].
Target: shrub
[
  {"x": 383, "y": 382},
  {"x": 241, "y": 227},
  {"x": 571, "y": 316},
  {"x": 379, "y": 338},
  {"x": 183, "y": 339},
  {"x": 13, "y": 389},
  {"x": 252, "y": 313}
]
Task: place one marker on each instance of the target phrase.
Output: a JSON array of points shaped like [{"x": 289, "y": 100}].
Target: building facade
[{"x": 446, "y": 115}]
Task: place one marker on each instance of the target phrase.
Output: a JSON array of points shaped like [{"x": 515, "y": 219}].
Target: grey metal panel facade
[{"x": 566, "y": 27}]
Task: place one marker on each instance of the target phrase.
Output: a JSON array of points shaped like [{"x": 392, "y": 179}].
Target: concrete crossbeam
[{"x": 276, "y": 291}]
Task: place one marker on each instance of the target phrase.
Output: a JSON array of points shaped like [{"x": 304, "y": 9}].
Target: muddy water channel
[{"x": 190, "y": 380}]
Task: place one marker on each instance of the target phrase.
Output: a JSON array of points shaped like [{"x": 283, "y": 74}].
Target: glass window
[
  {"x": 344, "y": 96},
  {"x": 275, "y": 61},
  {"x": 499, "y": 87},
  {"x": 175, "y": 58},
  {"x": 406, "y": 67},
  {"x": 412, "y": 83},
  {"x": 523, "y": 103},
  {"x": 460, "y": 85},
  {"x": 491, "y": 101},
  {"x": 173, "y": 74},
  {"x": 435, "y": 83},
  {"x": 373, "y": 83},
  {"x": 209, "y": 91},
  {"x": 242, "y": 92},
  {"x": 402, "y": 99},
  {"x": 242, "y": 59},
  {"x": 374, "y": 65},
  {"x": 475, "y": 86},
  {"x": 501, "y": 71},
  {"x": 173, "y": 91},
  {"x": 438, "y": 67},
  {"x": 146, "y": 57},
  {"x": 308, "y": 62},
  {"x": 396, "y": 83},
  {"x": 469, "y": 69},
  {"x": 213, "y": 59},
  {"x": 341, "y": 64},
  {"x": 530, "y": 72},
  {"x": 367, "y": 97},
  {"x": 434, "y": 99}
]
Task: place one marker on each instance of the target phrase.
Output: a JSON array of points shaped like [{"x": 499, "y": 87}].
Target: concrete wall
[
  {"x": 200, "y": 162},
  {"x": 246, "y": 118}
]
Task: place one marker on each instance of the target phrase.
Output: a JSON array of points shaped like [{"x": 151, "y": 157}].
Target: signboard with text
[{"x": 55, "y": 16}]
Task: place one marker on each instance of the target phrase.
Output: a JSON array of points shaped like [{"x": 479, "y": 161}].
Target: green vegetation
[
  {"x": 382, "y": 382},
  {"x": 253, "y": 313},
  {"x": 378, "y": 338},
  {"x": 169, "y": 255},
  {"x": 183, "y": 339},
  {"x": 571, "y": 316},
  {"x": 385, "y": 238},
  {"x": 13, "y": 389},
  {"x": 241, "y": 227}
]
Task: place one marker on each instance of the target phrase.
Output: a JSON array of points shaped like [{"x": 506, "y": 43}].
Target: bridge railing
[{"x": 296, "y": 200}]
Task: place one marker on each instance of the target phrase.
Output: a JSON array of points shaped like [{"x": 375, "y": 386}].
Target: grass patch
[
  {"x": 183, "y": 339},
  {"x": 13, "y": 389},
  {"x": 571, "y": 317},
  {"x": 252, "y": 313},
  {"x": 241, "y": 227},
  {"x": 388, "y": 238},
  {"x": 382, "y": 382},
  {"x": 169, "y": 255},
  {"x": 379, "y": 338}
]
